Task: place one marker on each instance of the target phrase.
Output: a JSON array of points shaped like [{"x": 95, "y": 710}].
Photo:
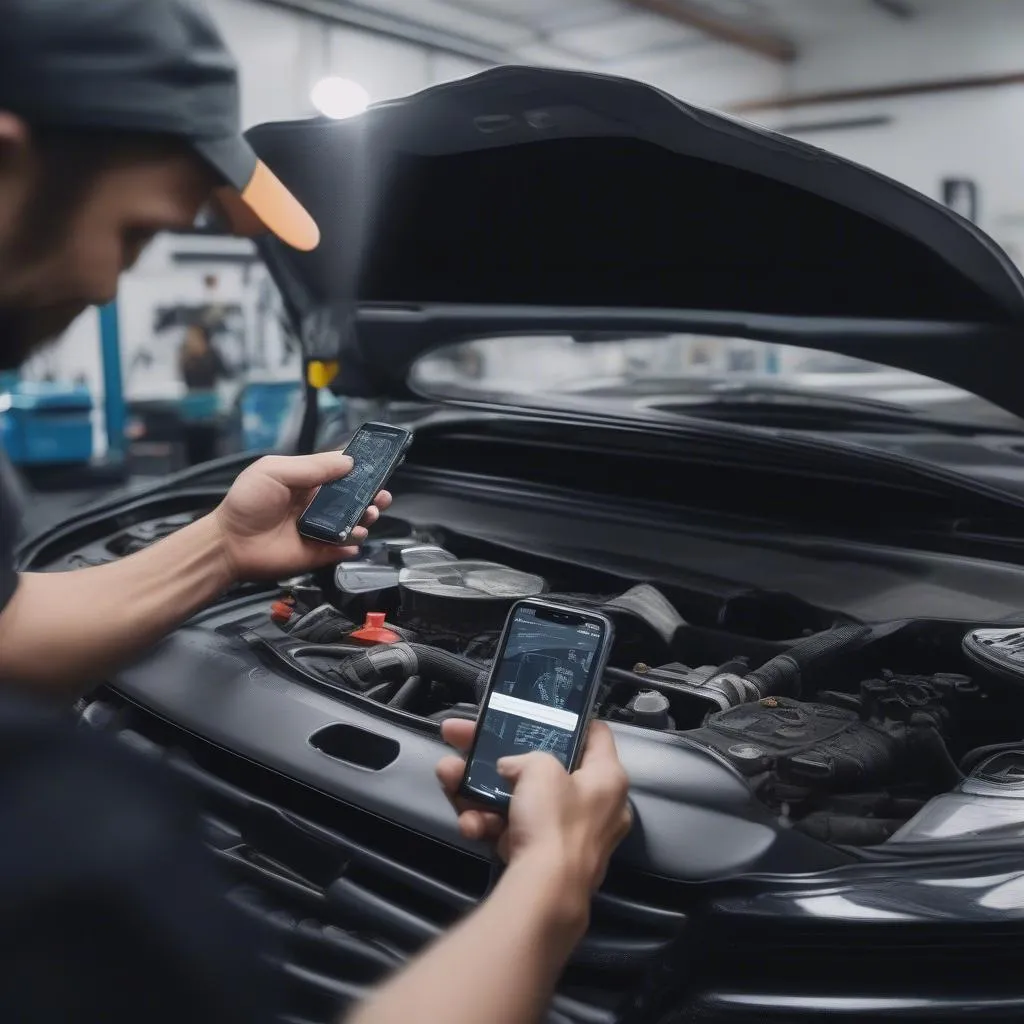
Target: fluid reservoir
[{"x": 650, "y": 710}]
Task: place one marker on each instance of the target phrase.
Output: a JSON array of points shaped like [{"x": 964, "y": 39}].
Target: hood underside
[{"x": 524, "y": 199}]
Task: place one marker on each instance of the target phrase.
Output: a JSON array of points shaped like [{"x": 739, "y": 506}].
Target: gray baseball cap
[{"x": 156, "y": 66}]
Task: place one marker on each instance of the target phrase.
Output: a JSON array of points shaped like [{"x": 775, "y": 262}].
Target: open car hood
[{"x": 525, "y": 199}]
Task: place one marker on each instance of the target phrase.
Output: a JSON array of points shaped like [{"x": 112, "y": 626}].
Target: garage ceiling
[{"x": 614, "y": 34}]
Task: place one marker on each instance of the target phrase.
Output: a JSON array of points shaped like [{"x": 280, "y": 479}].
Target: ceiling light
[{"x": 339, "y": 97}]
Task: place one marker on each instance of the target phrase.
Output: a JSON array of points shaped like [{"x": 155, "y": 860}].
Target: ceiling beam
[
  {"x": 843, "y": 124},
  {"x": 763, "y": 42},
  {"x": 879, "y": 92}
]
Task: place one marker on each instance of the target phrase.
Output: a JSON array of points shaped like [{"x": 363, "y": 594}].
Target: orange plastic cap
[{"x": 374, "y": 630}]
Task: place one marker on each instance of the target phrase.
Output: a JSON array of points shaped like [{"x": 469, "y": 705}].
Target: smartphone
[
  {"x": 377, "y": 450},
  {"x": 540, "y": 695}
]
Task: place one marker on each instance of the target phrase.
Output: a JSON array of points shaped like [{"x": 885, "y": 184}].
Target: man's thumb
[
  {"x": 511, "y": 767},
  {"x": 306, "y": 470}
]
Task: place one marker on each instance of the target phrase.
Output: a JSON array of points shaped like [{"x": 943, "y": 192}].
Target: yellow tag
[{"x": 320, "y": 374}]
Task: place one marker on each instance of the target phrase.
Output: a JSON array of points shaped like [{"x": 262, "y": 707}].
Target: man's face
[{"x": 51, "y": 272}]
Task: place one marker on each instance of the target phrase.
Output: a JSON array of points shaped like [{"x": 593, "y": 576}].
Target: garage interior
[
  {"x": 715, "y": 392},
  {"x": 929, "y": 92}
]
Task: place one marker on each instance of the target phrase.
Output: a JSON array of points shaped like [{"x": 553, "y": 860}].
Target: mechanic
[{"x": 119, "y": 119}]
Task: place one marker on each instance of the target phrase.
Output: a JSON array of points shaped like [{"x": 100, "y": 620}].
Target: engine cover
[
  {"x": 988, "y": 804},
  {"x": 803, "y": 743}
]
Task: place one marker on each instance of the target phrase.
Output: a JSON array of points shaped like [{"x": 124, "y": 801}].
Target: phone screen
[
  {"x": 540, "y": 695},
  {"x": 338, "y": 506}
]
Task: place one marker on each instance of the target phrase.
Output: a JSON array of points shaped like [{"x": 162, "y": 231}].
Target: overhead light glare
[{"x": 339, "y": 98}]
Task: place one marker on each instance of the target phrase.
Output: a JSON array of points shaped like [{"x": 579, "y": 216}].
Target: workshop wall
[
  {"x": 974, "y": 135},
  {"x": 282, "y": 55},
  {"x": 971, "y": 134},
  {"x": 711, "y": 75}
]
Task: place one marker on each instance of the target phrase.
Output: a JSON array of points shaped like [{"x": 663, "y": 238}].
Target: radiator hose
[
  {"x": 782, "y": 675},
  {"x": 395, "y": 663}
]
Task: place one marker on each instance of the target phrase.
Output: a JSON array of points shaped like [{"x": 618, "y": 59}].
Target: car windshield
[{"x": 685, "y": 374}]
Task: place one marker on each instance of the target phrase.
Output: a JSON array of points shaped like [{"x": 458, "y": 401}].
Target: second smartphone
[
  {"x": 377, "y": 450},
  {"x": 541, "y": 692}
]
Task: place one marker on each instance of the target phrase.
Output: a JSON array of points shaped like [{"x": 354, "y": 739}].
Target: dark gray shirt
[{"x": 111, "y": 907}]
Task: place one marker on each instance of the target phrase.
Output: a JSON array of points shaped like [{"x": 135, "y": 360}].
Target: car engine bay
[{"x": 848, "y": 733}]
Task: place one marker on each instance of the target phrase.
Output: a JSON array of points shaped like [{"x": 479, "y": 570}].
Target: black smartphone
[
  {"x": 541, "y": 692},
  {"x": 377, "y": 450}
]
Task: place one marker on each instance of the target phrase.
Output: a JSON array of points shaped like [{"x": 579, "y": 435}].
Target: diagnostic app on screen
[
  {"x": 339, "y": 506},
  {"x": 540, "y": 691}
]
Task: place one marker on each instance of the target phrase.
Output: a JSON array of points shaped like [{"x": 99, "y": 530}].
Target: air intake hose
[
  {"x": 782, "y": 675},
  {"x": 395, "y": 663}
]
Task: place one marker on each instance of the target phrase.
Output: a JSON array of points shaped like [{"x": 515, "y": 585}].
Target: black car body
[{"x": 798, "y": 598}]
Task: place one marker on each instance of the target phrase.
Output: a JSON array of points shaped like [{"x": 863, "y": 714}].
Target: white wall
[
  {"x": 948, "y": 39},
  {"x": 976, "y": 134},
  {"x": 283, "y": 54},
  {"x": 710, "y": 75}
]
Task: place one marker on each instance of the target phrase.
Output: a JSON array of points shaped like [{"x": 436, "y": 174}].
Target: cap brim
[{"x": 254, "y": 200}]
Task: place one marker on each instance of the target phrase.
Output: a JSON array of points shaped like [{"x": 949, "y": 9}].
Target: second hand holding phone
[
  {"x": 377, "y": 450},
  {"x": 540, "y": 695}
]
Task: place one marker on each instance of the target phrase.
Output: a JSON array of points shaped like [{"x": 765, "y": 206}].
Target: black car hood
[{"x": 526, "y": 198}]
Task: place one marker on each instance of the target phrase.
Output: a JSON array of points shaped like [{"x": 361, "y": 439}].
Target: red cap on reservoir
[
  {"x": 374, "y": 631},
  {"x": 281, "y": 611}
]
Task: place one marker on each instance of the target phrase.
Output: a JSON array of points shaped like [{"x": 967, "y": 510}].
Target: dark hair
[{"x": 70, "y": 161}]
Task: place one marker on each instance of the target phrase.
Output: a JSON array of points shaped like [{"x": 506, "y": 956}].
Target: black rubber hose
[
  {"x": 323, "y": 625},
  {"x": 782, "y": 675},
  {"x": 974, "y": 757},
  {"x": 397, "y": 662},
  {"x": 408, "y": 692},
  {"x": 383, "y": 693},
  {"x": 848, "y": 828}
]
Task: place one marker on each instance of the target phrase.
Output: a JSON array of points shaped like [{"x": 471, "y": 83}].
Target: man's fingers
[
  {"x": 329, "y": 554},
  {"x": 600, "y": 746},
  {"x": 380, "y": 504},
  {"x": 474, "y": 823},
  {"x": 601, "y": 766},
  {"x": 305, "y": 471},
  {"x": 449, "y": 772},
  {"x": 514, "y": 768},
  {"x": 458, "y": 733},
  {"x": 481, "y": 825}
]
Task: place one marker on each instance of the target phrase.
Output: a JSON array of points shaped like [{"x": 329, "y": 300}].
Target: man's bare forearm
[
  {"x": 500, "y": 965},
  {"x": 63, "y": 631}
]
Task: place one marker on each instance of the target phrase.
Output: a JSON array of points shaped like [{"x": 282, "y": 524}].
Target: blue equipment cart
[{"x": 45, "y": 424}]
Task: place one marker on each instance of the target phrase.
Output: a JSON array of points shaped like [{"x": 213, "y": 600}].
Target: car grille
[{"x": 351, "y": 896}]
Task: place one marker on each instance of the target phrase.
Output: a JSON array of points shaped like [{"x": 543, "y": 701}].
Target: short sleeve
[{"x": 10, "y": 530}]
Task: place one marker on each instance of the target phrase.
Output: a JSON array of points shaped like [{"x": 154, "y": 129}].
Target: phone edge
[{"x": 501, "y": 805}]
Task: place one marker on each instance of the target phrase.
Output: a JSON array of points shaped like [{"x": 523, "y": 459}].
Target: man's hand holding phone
[
  {"x": 256, "y": 521},
  {"x": 562, "y": 826},
  {"x": 501, "y": 963}
]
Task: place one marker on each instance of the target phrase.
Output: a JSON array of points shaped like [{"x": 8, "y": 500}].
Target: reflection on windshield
[{"x": 686, "y": 367}]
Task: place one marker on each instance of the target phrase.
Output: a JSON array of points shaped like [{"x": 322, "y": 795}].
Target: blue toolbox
[{"x": 43, "y": 424}]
